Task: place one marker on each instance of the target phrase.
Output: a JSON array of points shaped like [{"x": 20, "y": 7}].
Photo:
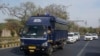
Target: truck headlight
[{"x": 45, "y": 44}]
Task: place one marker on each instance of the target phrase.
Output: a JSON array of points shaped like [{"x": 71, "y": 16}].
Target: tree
[
  {"x": 4, "y": 7},
  {"x": 83, "y": 30},
  {"x": 23, "y": 11},
  {"x": 91, "y": 30},
  {"x": 57, "y": 10},
  {"x": 2, "y": 26},
  {"x": 72, "y": 26},
  {"x": 29, "y": 9},
  {"x": 39, "y": 11},
  {"x": 13, "y": 25}
]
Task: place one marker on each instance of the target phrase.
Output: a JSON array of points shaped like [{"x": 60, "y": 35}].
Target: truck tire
[
  {"x": 49, "y": 51},
  {"x": 61, "y": 46}
]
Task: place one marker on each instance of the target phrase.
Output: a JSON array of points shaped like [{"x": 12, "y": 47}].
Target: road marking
[{"x": 79, "y": 54}]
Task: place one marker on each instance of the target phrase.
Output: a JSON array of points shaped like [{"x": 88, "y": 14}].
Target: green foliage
[
  {"x": 57, "y": 10},
  {"x": 30, "y": 9},
  {"x": 83, "y": 30},
  {"x": 23, "y": 11},
  {"x": 13, "y": 25},
  {"x": 2, "y": 25},
  {"x": 73, "y": 27},
  {"x": 12, "y": 33}
]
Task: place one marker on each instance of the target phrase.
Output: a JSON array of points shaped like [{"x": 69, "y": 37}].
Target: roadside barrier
[
  {"x": 9, "y": 42},
  {"x": 10, "y": 45}
]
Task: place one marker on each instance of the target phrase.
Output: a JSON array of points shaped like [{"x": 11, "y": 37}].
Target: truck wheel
[
  {"x": 49, "y": 51},
  {"x": 61, "y": 46}
]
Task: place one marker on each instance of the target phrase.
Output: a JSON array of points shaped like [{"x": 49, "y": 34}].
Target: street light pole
[{"x": 99, "y": 22}]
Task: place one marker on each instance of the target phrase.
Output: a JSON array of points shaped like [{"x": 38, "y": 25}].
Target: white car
[
  {"x": 95, "y": 36},
  {"x": 88, "y": 37},
  {"x": 73, "y": 37},
  {"x": 77, "y": 35}
]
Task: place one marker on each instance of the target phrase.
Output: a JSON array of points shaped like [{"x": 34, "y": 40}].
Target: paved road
[{"x": 80, "y": 48}]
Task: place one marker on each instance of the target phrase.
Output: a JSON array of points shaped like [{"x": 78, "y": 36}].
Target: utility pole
[
  {"x": 99, "y": 22},
  {"x": 99, "y": 26},
  {"x": 85, "y": 23}
]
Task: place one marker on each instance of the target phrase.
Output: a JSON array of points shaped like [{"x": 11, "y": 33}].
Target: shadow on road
[
  {"x": 17, "y": 51},
  {"x": 92, "y": 54},
  {"x": 58, "y": 52}
]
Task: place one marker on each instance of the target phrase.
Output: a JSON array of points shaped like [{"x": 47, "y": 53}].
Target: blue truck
[{"x": 43, "y": 34}]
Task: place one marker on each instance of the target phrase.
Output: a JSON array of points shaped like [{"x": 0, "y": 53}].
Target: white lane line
[{"x": 79, "y": 54}]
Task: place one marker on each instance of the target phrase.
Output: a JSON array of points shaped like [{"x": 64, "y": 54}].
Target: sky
[{"x": 87, "y": 10}]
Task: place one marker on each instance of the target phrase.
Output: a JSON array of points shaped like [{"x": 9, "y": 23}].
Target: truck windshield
[{"x": 34, "y": 31}]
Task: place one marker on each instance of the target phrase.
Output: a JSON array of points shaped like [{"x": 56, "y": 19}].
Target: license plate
[
  {"x": 32, "y": 47},
  {"x": 31, "y": 50}
]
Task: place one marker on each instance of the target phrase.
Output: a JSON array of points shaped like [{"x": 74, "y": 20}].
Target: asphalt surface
[{"x": 80, "y": 48}]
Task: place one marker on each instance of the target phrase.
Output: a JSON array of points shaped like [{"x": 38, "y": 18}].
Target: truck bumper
[{"x": 33, "y": 49}]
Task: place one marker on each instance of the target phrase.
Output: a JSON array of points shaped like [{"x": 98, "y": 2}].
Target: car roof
[{"x": 70, "y": 32}]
